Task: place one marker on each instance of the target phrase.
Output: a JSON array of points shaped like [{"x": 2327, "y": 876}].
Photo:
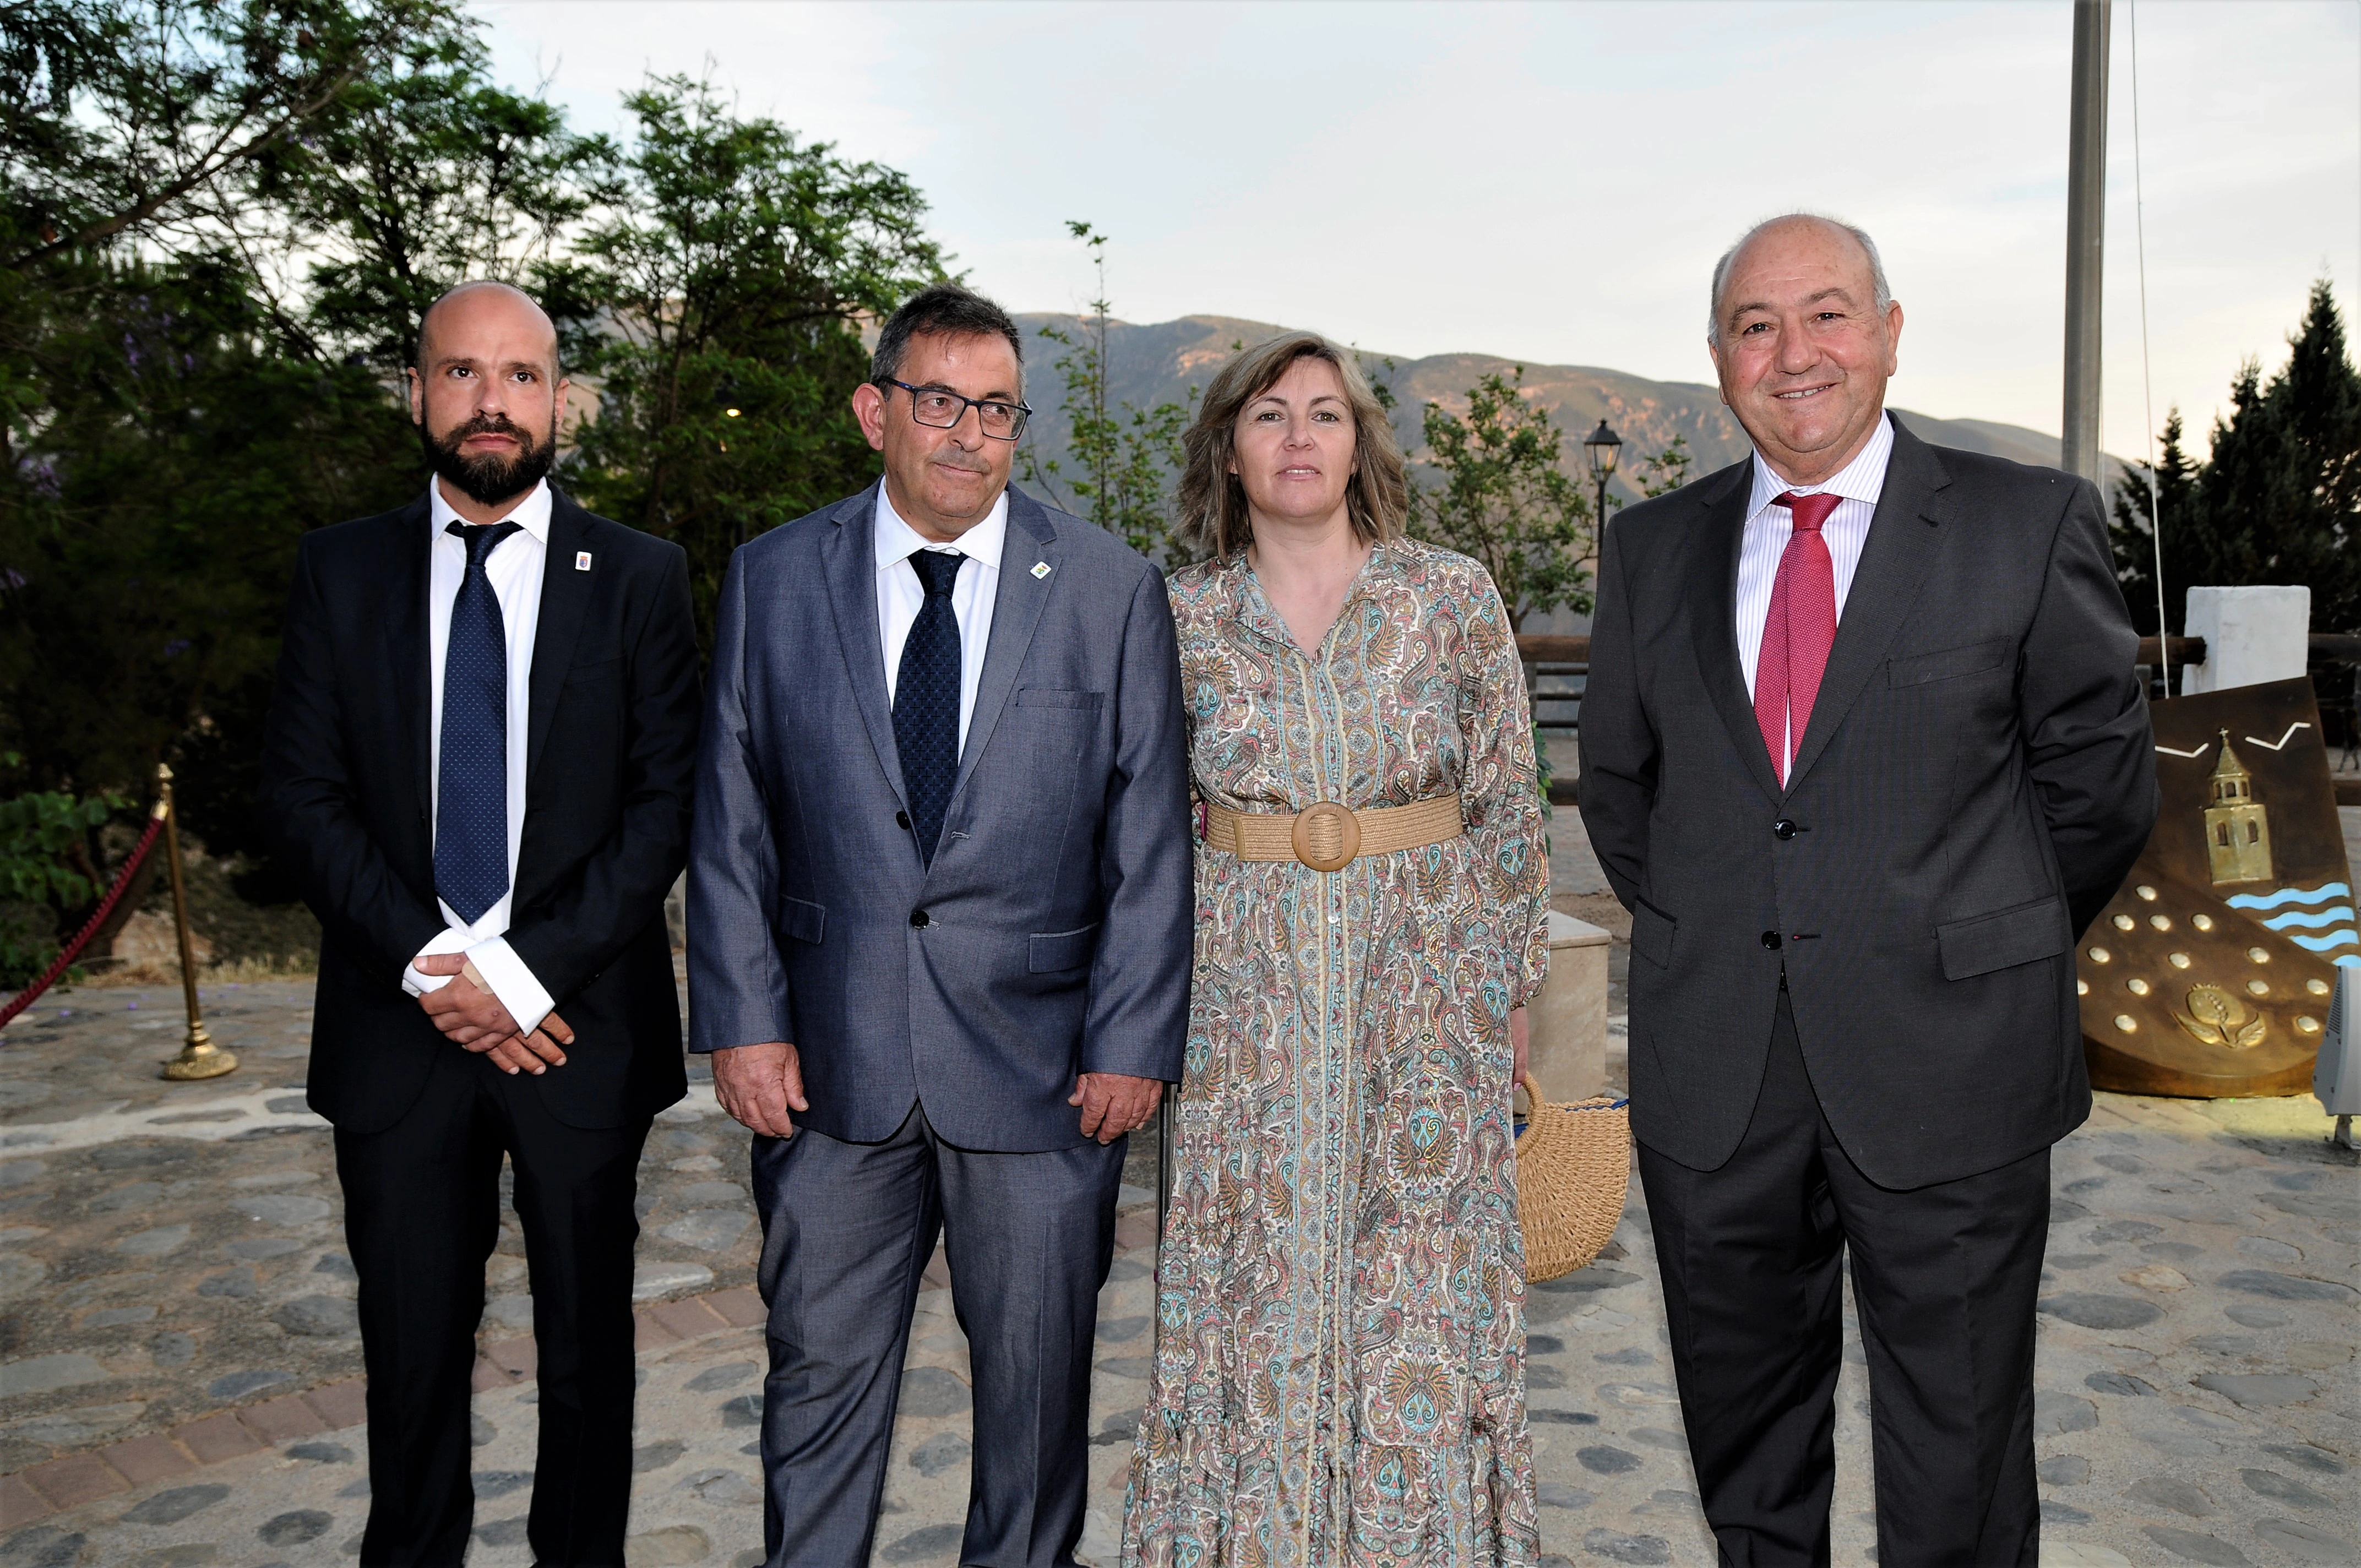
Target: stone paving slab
[{"x": 178, "y": 1375}]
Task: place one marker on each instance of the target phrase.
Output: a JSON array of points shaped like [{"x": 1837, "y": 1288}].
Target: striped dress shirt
[{"x": 1768, "y": 528}]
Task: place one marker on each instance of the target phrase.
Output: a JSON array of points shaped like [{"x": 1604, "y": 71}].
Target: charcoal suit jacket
[
  {"x": 612, "y": 720},
  {"x": 1050, "y": 934},
  {"x": 1976, "y": 779}
]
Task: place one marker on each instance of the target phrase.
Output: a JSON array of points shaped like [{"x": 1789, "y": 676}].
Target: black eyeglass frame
[{"x": 1024, "y": 411}]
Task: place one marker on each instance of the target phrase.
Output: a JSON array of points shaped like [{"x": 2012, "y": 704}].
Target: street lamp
[{"x": 1602, "y": 446}]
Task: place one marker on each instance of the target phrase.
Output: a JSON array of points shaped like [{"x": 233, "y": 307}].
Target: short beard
[{"x": 489, "y": 480}]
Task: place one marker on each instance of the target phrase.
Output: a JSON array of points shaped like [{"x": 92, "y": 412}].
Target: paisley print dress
[{"x": 1340, "y": 1350}]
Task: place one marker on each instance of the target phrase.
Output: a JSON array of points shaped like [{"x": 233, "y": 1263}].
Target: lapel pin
[
  {"x": 1040, "y": 568},
  {"x": 582, "y": 561}
]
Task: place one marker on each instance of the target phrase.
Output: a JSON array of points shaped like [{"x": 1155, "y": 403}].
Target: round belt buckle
[{"x": 1327, "y": 836}]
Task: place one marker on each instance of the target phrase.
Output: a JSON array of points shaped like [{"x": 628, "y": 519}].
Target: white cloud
[{"x": 1553, "y": 181}]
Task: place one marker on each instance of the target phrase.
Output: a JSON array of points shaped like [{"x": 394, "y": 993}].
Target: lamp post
[{"x": 1602, "y": 447}]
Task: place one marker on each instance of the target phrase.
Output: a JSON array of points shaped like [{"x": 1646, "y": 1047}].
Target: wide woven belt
[{"x": 1329, "y": 837}]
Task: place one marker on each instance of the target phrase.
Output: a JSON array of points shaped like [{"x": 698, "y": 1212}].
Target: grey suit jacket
[
  {"x": 1977, "y": 778},
  {"x": 1051, "y": 933}
]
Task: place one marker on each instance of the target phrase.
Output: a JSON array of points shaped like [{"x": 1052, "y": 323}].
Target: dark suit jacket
[
  {"x": 1977, "y": 777},
  {"x": 612, "y": 728},
  {"x": 1051, "y": 934}
]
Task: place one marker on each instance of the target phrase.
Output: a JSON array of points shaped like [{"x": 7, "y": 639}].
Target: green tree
[
  {"x": 1505, "y": 500},
  {"x": 2277, "y": 498},
  {"x": 1665, "y": 472},
  {"x": 430, "y": 175},
  {"x": 1125, "y": 461},
  {"x": 149, "y": 121},
  {"x": 722, "y": 280}
]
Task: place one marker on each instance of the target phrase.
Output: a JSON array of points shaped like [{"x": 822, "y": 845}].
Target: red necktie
[{"x": 1798, "y": 632}]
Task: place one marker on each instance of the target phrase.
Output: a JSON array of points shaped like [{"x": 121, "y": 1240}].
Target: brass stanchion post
[{"x": 199, "y": 1057}]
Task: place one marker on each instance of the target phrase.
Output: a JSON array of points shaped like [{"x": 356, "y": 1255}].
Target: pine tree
[{"x": 2277, "y": 500}]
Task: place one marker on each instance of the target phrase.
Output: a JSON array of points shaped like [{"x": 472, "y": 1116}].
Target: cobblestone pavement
[{"x": 172, "y": 1272}]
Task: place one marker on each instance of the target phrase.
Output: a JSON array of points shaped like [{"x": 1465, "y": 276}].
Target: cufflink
[{"x": 582, "y": 561}]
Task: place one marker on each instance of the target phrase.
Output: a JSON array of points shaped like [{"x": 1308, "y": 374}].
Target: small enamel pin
[
  {"x": 582, "y": 561},
  {"x": 1040, "y": 568}
]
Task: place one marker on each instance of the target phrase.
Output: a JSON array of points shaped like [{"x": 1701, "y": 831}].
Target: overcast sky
[{"x": 1551, "y": 182}]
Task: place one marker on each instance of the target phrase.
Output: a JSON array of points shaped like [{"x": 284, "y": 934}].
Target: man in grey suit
[
  {"x": 1861, "y": 751},
  {"x": 939, "y": 937}
]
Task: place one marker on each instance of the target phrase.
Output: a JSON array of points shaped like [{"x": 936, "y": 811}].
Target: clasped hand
[
  {"x": 472, "y": 1017},
  {"x": 761, "y": 1084}
]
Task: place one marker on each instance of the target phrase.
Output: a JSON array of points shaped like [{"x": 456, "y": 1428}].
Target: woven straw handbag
[{"x": 1574, "y": 1161}]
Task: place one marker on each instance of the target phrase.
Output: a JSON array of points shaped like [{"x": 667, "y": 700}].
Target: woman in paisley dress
[{"x": 1339, "y": 1375}]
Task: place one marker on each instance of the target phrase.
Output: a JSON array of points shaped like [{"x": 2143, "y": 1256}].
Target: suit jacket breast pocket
[
  {"x": 1042, "y": 697},
  {"x": 1949, "y": 664}
]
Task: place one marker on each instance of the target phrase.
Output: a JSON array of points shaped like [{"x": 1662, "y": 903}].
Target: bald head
[
  {"x": 1807, "y": 226},
  {"x": 480, "y": 300}
]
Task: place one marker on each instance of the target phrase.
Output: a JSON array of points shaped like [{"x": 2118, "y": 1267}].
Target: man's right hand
[{"x": 758, "y": 1084}]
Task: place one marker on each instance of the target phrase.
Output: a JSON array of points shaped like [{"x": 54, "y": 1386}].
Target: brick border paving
[{"x": 56, "y": 1484}]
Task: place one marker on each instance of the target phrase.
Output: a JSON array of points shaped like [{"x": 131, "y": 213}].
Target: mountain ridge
[{"x": 1150, "y": 363}]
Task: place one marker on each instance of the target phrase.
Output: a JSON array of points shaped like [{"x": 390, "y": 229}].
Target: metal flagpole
[{"x": 2086, "y": 233}]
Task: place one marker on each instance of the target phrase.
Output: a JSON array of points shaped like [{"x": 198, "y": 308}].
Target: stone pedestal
[
  {"x": 1567, "y": 1040},
  {"x": 2252, "y": 635}
]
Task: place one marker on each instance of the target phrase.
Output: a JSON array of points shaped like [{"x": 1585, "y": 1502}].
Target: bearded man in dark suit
[
  {"x": 1862, "y": 752},
  {"x": 479, "y": 760}
]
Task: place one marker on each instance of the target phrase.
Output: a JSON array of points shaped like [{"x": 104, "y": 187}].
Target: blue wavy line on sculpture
[
  {"x": 2320, "y": 895},
  {"x": 2342, "y": 914},
  {"x": 2322, "y": 944}
]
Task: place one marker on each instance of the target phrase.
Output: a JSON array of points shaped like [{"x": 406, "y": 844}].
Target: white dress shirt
[
  {"x": 1768, "y": 529},
  {"x": 900, "y": 595},
  {"x": 514, "y": 567}
]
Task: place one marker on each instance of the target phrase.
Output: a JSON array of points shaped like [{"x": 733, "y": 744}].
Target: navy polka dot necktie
[
  {"x": 471, "y": 804},
  {"x": 926, "y": 699}
]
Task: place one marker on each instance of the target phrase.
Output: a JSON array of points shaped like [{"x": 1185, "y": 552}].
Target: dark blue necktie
[
  {"x": 471, "y": 807},
  {"x": 926, "y": 699}
]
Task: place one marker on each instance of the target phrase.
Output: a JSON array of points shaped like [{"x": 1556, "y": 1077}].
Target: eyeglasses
[{"x": 941, "y": 408}]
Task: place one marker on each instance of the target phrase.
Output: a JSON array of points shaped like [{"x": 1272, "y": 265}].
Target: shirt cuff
[
  {"x": 526, "y": 998},
  {"x": 446, "y": 941}
]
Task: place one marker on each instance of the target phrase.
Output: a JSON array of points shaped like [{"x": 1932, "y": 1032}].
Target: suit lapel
[
  {"x": 849, "y": 559},
  {"x": 1904, "y": 536},
  {"x": 1713, "y": 580},
  {"x": 1016, "y": 611},
  {"x": 408, "y": 545},
  {"x": 565, "y": 599}
]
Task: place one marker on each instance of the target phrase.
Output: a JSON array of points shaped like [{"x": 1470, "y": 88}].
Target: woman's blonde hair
[{"x": 1210, "y": 504}]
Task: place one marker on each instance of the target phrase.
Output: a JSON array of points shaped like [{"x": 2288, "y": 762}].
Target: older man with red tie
[{"x": 1861, "y": 752}]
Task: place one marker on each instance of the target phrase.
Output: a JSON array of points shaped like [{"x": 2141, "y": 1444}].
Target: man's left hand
[
  {"x": 1115, "y": 1104},
  {"x": 464, "y": 1010}
]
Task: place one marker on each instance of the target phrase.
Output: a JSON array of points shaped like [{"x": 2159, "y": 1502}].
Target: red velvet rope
[{"x": 73, "y": 950}]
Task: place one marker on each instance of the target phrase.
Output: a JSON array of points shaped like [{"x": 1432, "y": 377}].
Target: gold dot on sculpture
[
  {"x": 2081, "y": 988},
  {"x": 2145, "y": 892},
  {"x": 2260, "y": 954},
  {"x": 2316, "y": 985},
  {"x": 2307, "y": 1025},
  {"x": 2258, "y": 988},
  {"x": 2162, "y": 922},
  {"x": 2126, "y": 1023},
  {"x": 2137, "y": 986},
  {"x": 2202, "y": 922},
  {"x": 2178, "y": 961},
  {"x": 2122, "y": 922},
  {"x": 2100, "y": 955}
]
